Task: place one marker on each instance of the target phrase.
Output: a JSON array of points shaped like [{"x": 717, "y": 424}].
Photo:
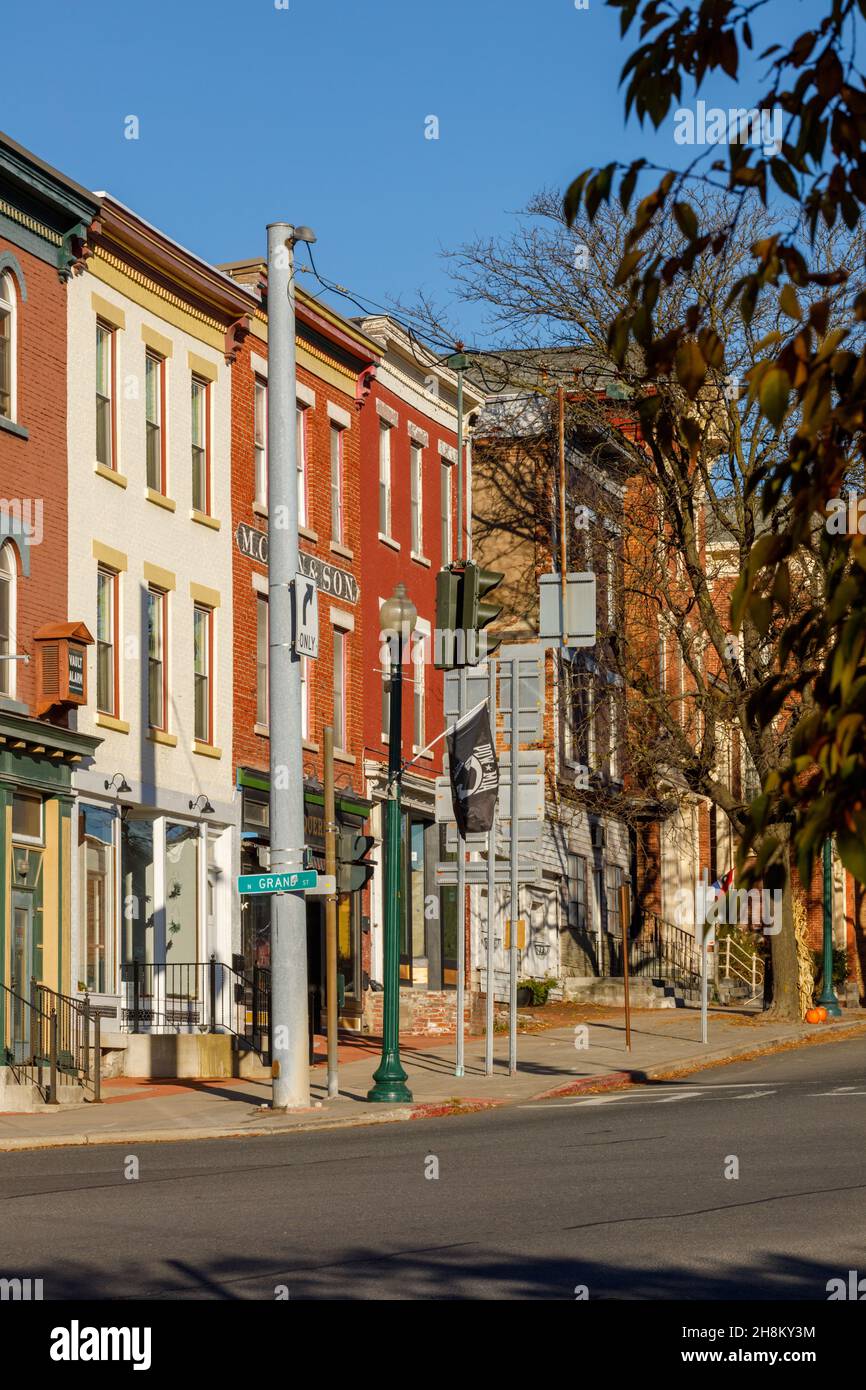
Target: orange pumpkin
[
  {"x": 813, "y": 1016},
  {"x": 822, "y": 1014}
]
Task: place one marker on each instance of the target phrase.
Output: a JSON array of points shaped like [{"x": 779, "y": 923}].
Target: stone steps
[{"x": 24, "y": 1097}]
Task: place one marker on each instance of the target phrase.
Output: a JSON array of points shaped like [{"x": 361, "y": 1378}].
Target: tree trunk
[
  {"x": 860, "y": 937},
  {"x": 785, "y": 998}
]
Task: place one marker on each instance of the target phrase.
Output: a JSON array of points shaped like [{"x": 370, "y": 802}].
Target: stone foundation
[{"x": 427, "y": 1012}]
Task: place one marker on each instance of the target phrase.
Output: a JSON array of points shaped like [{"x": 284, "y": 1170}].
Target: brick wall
[{"x": 36, "y": 468}]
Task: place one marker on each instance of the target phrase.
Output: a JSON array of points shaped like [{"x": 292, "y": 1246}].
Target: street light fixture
[{"x": 397, "y": 617}]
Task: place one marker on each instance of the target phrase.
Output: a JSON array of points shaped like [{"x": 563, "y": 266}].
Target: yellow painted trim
[
  {"x": 204, "y": 520},
  {"x": 108, "y": 721},
  {"x": 154, "y": 340},
  {"x": 200, "y": 593},
  {"x": 201, "y": 366},
  {"x": 320, "y": 365},
  {"x": 155, "y": 299},
  {"x": 163, "y": 579},
  {"x": 104, "y": 309},
  {"x": 107, "y": 555},
  {"x": 110, "y": 474},
  {"x": 206, "y": 750},
  {"x": 159, "y": 500},
  {"x": 160, "y": 736}
]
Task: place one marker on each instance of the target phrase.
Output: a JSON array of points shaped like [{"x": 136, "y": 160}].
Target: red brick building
[
  {"x": 44, "y": 218},
  {"x": 409, "y": 531},
  {"x": 335, "y": 361}
]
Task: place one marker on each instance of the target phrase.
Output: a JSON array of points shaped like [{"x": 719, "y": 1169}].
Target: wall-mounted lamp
[
  {"x": 21, "y": 865},
  {"x": 118, "y": 783},
  {"x": 202, "y": 804}
]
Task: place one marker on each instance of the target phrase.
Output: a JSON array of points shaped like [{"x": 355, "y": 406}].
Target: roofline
[
  {"x": 395, "y": 333},
  {"x": 52, "y": 179}
]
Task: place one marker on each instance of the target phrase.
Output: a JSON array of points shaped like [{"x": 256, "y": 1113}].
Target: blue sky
[{"x": 317, "y": 114}]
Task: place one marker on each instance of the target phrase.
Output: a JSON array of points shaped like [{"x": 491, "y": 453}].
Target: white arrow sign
[{"x": 306, "y": 597}]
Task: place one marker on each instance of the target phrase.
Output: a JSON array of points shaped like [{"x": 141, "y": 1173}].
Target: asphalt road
[{"x": 624, "y": 1194}]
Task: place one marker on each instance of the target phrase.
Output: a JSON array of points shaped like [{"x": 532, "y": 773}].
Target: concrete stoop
[
  {"x": 643, "y": 993},
  {"x": 25, "y": 1097}
]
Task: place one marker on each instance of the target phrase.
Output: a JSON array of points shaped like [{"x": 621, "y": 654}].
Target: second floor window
[
  {"x": 339, "y": 688},
  {"x": 261, "y": 660},
  {"x": 202, "y": 658},
  {"x": 261, "y": 443},
  {"x": 7, "y": 619},
  {"x": 200, "y": 447},
  {"x": 384, "y": 478},
  {"x": 106, "y": 641},
  {"x": 154, "y": 376},
  {"x": 7, "y": 347},
  {"x": 105, "y": 395},
  {"x": 446, "y": 514},
  {"x": 301, "y": 460},
  {"x": 415, "y": 489},
  {"x": 336, "y": 487},
  {"x": 156, "y": 672}
]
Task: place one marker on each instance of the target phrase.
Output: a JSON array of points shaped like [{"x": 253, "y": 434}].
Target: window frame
[
  {"x": 420, "y": 650},
  {"x": 205, "y": 385},
  {"x": 446, "y": 508},
  {"x": 9, "y": 669},
  {"x": 260, "y": 443},
  {"x": 161, "y": 596},
  {"x": 9, "y": 308},
  {"x": 110, "y": 333},
  {"x": 262, "y": 666},
  {"x": 337, "y": 483},
  {"x": 416, "y": 497},
  {"x": 203, "y": 610},
  {"x": 340, "y": 712},
  {"x": 20, "y": 794},
  {"x": 113, "y": 578},
  {"x": 152, "y": 356},
  {"x": 301, "y": 460},
  {"x": 385, "y": 477}
]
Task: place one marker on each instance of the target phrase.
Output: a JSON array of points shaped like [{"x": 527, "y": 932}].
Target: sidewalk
[{"x": 135, "y": 1111}]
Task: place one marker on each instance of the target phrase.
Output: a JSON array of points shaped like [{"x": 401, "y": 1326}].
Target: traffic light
[
  {"x": 353, "y": 869},
  {"x": 476, "y": 611},
  {"x": 445, "y": 652}
]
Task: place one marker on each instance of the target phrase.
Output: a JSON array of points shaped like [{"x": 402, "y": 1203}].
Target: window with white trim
[
  {"x": 420, "y": 647},
  {"x": 445, "y": 508},
  {"x": 384, "y": 478},
  {"x": 301, "y": 462},
  {"x": 8, "y": 595},
  {"x": 416, "y": 460},
  {"x": 262, "y": 660},
  {"x": 341, "y": 638},
  {"x": 260, "y": 436},
  {"x": 8, "y": 350},
  {"x": 336, "y": 484}
]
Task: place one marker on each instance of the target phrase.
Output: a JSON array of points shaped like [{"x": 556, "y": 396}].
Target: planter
[{"x": 524, "y": 997}]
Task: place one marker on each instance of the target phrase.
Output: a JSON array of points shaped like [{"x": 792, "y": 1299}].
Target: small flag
[
  {"x": 474, "y": 772},
  {"x": 723, "y": 885}
]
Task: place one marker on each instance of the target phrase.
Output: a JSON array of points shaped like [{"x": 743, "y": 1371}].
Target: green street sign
[{"x": 278, "y": 883}]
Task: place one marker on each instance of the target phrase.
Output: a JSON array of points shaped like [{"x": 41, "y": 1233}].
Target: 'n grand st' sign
[{"x": 328, "y": 579}]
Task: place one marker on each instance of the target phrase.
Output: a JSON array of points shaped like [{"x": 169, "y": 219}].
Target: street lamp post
[
  {"x": 397, "y": 618},
  {"x": 828, "y": 994}
]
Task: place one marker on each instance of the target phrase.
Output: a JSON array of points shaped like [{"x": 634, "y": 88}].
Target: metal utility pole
[
  {"x": 491, "y": 890},
  {"x": 461, "y": 914},
  {"x": 289, "y": 1002},
  {"x": 331, "y": 910}
]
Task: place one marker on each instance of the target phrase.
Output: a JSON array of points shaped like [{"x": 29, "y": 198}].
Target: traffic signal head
[
  {"x": 353, "y": 870},
  {"x": 476, "y": 611},
  {"x": 447, "y": 619}
]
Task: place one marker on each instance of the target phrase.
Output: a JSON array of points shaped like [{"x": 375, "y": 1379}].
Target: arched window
[
  {"x": 8, "y": 305},
  {"x": 8, "y": 645}
]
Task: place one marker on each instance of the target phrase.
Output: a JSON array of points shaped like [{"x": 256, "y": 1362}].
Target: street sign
[
  {"x": 476, "y": 872},
  {"x": 530, "y": 657},
  {"x": 293, "y": 881},
  {"x": 306, "y": 610},
  {"x": 581, "y": 599},
  {"x": 327, "y": 884}
]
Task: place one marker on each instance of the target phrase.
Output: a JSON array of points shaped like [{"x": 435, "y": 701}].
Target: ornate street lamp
[{"x": 397, "y": 618}]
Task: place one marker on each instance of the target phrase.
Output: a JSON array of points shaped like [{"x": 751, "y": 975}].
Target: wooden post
[{"x": 624, "y": 917}]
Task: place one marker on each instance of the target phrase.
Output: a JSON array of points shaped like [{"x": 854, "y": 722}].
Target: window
[
  {"x": 154, "y": 381},
  {"x": 182, "y": 892},
  {"x": 203, "y": 660},
  {"x": 260, "y": 434},
  {"x": 384, "y": 478},
  {"x": 262, "y": 660},
  {"x": 419, "y": 653},
  {"x": 613, "y": 735},
  {"x": 580, "y": 744},
  {"x": 339, "y": 719},
  {"x": 96, "y": 879},
  {"x": 445, "y": 508},
  {"x": 106, "y": 641},
  {"x": 613, "y": 882},
  {"x": 8, "y": 576},
  {"x": 415, "y": 485},
  {"x": 27, "y": 818},
  {"x": 301, "y": 461},
  {"x": 7, "y": 347},
  {"x": 156, "y": 672},
  {"x": 105, "y": 412},
  {"x": 577, "y": 892},
  {"x": 200, "y": 446},
  {"x": 336, "y": 485}
]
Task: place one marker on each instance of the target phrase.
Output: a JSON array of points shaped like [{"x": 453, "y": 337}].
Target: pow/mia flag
[{"x": 474, "y": 772}]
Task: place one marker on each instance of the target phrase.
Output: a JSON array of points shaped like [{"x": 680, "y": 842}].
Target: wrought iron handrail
[
  {"x": 29, "y": 1041},
  {"x": 740, "y": 964},
  {"x": 197, "y": 996},
  {"x": 76, "y": 1055}
]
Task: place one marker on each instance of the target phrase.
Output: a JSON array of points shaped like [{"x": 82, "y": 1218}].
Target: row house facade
[
  {"x": 409, "y": 527},
  {"x": 152, "y": 335},
  {"x": 44, "y": 637},
  {"x": 335, "y": 366}
]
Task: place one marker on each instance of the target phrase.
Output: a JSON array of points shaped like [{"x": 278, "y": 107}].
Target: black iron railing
[
  {"x": 47, "y": 1036},
  {"x": 657, "y": 950},
  {"x": 197, "y": 996}
]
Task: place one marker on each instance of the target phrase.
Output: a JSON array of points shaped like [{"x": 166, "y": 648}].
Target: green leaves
[{"x": 775, "y": 390}]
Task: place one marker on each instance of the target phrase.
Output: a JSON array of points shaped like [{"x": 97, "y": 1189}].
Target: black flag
[{"x": 474, "y": 772}]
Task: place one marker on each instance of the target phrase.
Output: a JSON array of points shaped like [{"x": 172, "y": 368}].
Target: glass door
[{"x": 22, "y": 970}]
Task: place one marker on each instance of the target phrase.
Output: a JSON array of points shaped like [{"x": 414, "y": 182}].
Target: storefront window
[
  {"x": 27, "y": 818},
  {"x": 96, "y": 857},
  {"x": 136, "y": 866},
  {"x": 181, "y": 892}
]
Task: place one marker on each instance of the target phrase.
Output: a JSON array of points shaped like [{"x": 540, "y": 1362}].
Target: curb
[{"x": 607, "y": 1081}]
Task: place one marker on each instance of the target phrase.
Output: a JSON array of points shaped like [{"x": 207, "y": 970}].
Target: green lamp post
[
  {"x": 828, "y": 994},
  {"x": 397, "y": 618}
]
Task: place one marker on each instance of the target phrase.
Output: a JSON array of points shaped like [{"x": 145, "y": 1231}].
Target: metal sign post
[
  {"x": 624, "y": 912},
  {"x": 491, "y": 896},
  {"x": 515, "y": 856},
  {"x": 461, "y": 916}
]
